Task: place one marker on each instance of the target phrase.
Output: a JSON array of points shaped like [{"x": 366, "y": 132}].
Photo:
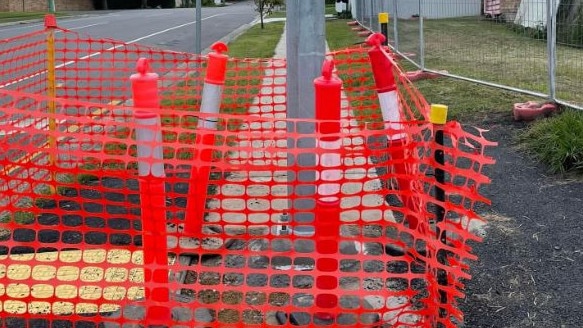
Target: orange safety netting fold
[{"x": 75, "y": 251}]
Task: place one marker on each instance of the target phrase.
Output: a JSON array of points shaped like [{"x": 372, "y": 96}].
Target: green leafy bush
[{"x": 557, "y": 142}]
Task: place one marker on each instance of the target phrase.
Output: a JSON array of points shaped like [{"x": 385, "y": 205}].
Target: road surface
[{"x": 171, "y": 29}]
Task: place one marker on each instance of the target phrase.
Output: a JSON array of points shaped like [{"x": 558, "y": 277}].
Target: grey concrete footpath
[{"x": 273, "y": 92}]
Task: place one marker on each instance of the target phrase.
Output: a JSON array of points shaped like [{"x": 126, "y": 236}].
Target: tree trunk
[
  {"x": 261, "y": 9},
  {"x": 144, "y": 4},
  {"x": 104, "y": 5}
]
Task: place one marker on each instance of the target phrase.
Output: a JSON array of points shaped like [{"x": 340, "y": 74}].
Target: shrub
[{"x": 557, "y": 142}]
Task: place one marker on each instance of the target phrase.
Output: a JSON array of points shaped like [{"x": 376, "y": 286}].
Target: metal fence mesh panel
[
  {"x": 569, "y": 53},
  {"x": 533, "y": 46},
  {"x": 486, "y": 49},
  {"x": 87, "y": 242}
]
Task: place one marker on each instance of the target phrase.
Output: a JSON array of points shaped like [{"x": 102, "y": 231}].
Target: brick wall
[
  {"x": 41, "y": 5},
  {"x": 74, "y": 4}
]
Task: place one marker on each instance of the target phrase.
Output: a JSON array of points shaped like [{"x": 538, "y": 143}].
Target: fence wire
[
  {"x": 87, "y": 241},
  {"x": 530, "y": 46}
]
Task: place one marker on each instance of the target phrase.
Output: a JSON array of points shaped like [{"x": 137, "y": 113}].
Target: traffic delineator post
[
  {"x": 50, "y": 26},
  {"x": 152, "y": 191},
  {"x": 388, "y": 96},
  {"x": 327, "y": 220},
  {"x": 438, "y": 117},
  {"x": 328, "y": 93},
  {"x": 384, "y": 22},
  {"x": 212, "y": 95}
]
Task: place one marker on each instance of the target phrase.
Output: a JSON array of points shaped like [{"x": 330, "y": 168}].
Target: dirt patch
[{"x": 530, "y": 271}]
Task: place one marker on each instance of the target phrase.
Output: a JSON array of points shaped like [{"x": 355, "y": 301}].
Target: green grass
[
  {"x": 339, "y": 35},
  {"x": 464, "y": 104},
  {"x": 495, "y": 52},
  {"x": 277, "y": 14},
  {"x": 19, "y": 217},
  {"x": 257, "y": 42},
  {"x": 330, "y": 10},
  {"x": 6, "y": 17},
  {"x": 460, "y": 96},
  {"x": 557, "y": 142}
]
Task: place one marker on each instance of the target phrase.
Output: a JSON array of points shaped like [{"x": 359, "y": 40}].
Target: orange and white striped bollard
[
  {"x": 152, "y": 191},
  {"x": 212, "y": 95},
  {"x": 327, "y": 215},
  {"x": 388, "y": 95}
]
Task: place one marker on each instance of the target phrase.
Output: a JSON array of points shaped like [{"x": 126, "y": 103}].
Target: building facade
[
  {"x": 41, "y": 5},
  {"x": 509, "y": 9}
]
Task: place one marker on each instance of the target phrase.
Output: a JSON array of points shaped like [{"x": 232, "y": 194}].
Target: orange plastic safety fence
[{"x": 75, "y": 250}]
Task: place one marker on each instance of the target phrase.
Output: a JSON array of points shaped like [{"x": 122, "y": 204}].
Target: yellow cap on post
[
  {"x": 438, "y": 114},
  {"x": 384, "y": 18}
]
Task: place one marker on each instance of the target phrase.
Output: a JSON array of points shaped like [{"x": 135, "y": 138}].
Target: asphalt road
[{"x": 172, "y": 29}]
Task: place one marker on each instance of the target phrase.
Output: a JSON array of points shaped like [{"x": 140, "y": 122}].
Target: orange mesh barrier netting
[{"x": 86, "y": 240}]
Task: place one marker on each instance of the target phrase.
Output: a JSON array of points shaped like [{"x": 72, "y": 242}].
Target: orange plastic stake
[
  {"x": 207, "y": 124},
  {"x": 152, "y": 192},
  {"x": 328, "y": 105},
  {"x": 388, "y": 96}
]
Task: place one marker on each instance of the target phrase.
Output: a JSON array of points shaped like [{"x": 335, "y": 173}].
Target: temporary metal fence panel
[
  {"x": 568, "y": 50},
  {"x": 488, "y": 49},
  {"x": 530, "y": 46}
]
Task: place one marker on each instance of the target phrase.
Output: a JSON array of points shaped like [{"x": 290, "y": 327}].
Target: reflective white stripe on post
[
  {"x": 211, "y": 104},
  {"x": 149, "y": 139},
  {"x": 330, "y": 189},
  {"x": 389, "y": 102}
]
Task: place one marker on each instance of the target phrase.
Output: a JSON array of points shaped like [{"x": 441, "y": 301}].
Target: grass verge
[
  {"x": 557, "y": 142},
  {"x": 493, "y": 51},
  {"x": 339, "y": 35},
  {"x": 278, "y": 14},
  {"x": 460, "y": 96},
  {"x": 257, "y": 42},
  {"x": 7, "y": 17}
]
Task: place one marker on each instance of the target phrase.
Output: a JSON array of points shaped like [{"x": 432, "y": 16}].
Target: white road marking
[
  {"x": 108, "y": 49},
  {"x": 86, "y": 26}
]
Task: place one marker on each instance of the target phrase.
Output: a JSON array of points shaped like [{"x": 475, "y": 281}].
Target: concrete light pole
[
  {"x": 306, "y": 48},
  {"x": 51, "y": 4},
  {"x": 198, "y": 32}
]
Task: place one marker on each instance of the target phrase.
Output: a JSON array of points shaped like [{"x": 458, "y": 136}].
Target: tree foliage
[{"x": 265, "y": 7}]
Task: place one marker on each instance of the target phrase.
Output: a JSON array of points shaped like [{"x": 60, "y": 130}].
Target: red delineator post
[
  {"x": 212, "y": 95},
  {"x": 327, "y": 215},
  {"x": 152, "y": 191},
  {"x": 382, "y": 67}
]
